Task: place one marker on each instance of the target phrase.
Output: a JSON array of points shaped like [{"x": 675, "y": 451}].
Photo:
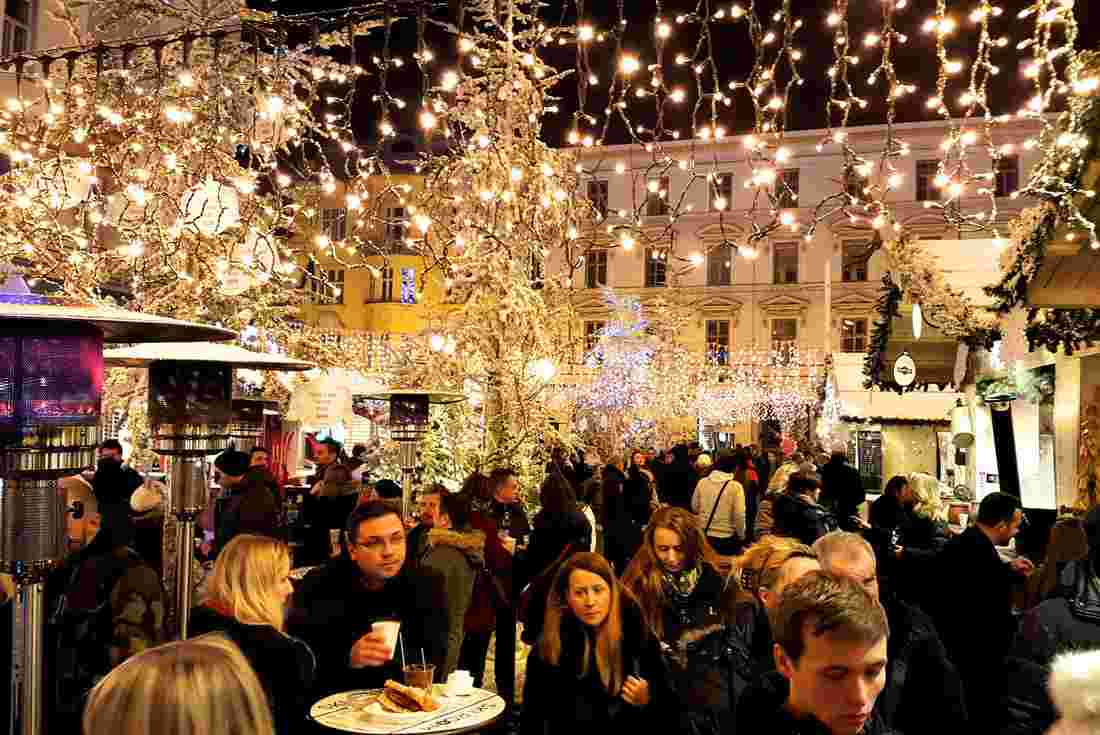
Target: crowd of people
[{"x": 670, "y": 590}]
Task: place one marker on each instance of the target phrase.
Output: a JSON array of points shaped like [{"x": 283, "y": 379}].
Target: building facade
[{"x": 819, "y": 293}]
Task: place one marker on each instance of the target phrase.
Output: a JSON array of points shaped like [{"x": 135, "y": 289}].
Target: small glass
[{"x": 420, "y": 676}]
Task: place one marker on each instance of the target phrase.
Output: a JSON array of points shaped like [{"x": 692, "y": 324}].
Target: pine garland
[{"x": 887, "y": 306}]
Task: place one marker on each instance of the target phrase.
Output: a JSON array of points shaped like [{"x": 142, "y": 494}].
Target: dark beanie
[
  {"x": 387, "y": 489},
  {"x": 232, "y": 463}
]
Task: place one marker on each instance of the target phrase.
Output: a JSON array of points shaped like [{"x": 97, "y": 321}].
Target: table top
[{"x": 458, "y": 714}]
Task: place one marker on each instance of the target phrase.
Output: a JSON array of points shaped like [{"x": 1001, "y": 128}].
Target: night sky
[{"x": 915, "y": 62}]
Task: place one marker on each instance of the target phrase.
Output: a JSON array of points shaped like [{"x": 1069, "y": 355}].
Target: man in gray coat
[{"x": 456, "y": 552}]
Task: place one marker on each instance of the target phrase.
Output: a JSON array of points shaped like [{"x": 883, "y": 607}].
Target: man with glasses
[
  {"x": 337, "y": 605},
  {"x": 973, "y": 605}
]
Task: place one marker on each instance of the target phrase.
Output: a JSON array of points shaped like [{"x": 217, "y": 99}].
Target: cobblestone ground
[{"x": 521, "y": 665}]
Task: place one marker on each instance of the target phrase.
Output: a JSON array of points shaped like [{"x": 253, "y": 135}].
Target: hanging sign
[{"x": 905, "y": 370}]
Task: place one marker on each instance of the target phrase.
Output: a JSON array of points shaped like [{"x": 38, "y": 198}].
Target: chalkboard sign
[{"x": 870, "y": 459}]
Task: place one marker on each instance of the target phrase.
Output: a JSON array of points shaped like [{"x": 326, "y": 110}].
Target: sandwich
[{"x": 401, "y": 699}]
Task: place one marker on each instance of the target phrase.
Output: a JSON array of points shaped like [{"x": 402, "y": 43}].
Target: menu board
[{"x": 870, "y": 459}]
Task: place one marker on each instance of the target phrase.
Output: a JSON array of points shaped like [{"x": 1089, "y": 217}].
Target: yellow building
[{"x": 393, "y": 296}]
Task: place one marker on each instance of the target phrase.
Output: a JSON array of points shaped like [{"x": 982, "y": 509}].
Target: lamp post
[
  {"x": 410, "y": 410},
  {"x": 191, "y": 416},
  {"x": 51, "y": 387}
]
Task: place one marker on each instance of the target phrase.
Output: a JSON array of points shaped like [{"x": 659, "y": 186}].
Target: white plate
[{"x": 375, "y": 712}]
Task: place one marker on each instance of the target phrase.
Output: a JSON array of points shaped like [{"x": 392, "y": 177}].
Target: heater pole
[
  {"x": 185, "y": 542},
  {"x": 28, "y": 622},
  {"x": 188, "y": 498}
]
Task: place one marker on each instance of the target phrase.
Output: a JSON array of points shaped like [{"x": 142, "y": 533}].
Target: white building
[{"x": 820, "y": 293}]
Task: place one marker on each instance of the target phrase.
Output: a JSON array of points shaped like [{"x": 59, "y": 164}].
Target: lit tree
[{"x": 491, "y": 211}]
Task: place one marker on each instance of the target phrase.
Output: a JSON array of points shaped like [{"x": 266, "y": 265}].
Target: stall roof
[{"x": 856, "y": 401}]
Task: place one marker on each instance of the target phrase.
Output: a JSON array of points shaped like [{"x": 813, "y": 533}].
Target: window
[
  {"x": 718, "y": 341},
  {"x": 592, "y": 334},
  {"x": 1007, "y": 177},
  {"x": 721, "y": 192},
  {"x": 720, "y": 265},
  {"x": 656, "y": 203},
  {"x": 18, "y": 22},
  {"x": 381, "y": 286},
  {"x": 853, "y": 335},
  {"x": 334, "y": 223},
  {"x": 786, "y": 188},
  {"x": 926, "y": 181},
  {"x": 328, "y": 288},
  {"x": 595, "y": 269},
  {"x": 853, "y": 260},
  {"x": 785, "y": 262},
  {"x": 656, "y": 268},
  {"x": 408, "y": 285},
  {"x": 597, "y": 195},
  {"x": 534, "y": 269},
  {"x": 784, "y": 336},
  {"x": 394, "y": 233}
]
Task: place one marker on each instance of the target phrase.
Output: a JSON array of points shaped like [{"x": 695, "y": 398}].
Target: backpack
[{"x": 83, "y": 637}]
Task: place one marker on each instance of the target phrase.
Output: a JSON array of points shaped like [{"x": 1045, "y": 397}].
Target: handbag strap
[{"x": 714, "y": 509}]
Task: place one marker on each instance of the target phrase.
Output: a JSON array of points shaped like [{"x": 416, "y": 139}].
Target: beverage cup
[
  {"x": 390, "y": 629},
  {"x": 964, "y": 519},
  {"x": 334, "y": 541},
  {"x": 419, "y": 676},
  {"x": 459, "y": 684}
]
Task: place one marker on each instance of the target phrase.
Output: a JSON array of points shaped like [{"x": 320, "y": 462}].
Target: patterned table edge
[{"x": 436, "y": 724}]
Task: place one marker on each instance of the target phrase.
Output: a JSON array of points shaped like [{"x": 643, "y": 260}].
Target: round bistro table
[{"x": 477, "y": 710}]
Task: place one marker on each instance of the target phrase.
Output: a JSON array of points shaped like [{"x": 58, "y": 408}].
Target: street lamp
[
  {"x": 51, "y": 390},
  {"x": 191, "y": 416}
]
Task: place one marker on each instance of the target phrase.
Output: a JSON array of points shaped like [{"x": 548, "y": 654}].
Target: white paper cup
[
  {"x": 964, "y": 519},
  {"x": 390, "y": 629}
]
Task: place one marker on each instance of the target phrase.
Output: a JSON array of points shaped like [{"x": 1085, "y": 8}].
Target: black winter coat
[
  {"x": 559, "y": 700},
  {"x": 921, "y": 537},
  {"x": 841, "y": 489},
  {"x": 762, "y": 711},
  {"x": 249, "y": 507},
  {"x": 284, "y": 665},
  {"x": 923, "y": 693},
  {"x": 552, "y": 533},
  {"x": 678, "y": 480},
  {"x": 626, "y": 510},
  {"x": 1052, "y": 627},
  {"x": 801, "y": 519},
  {"x": 333, "y": 609},
  {"x": 973, "y": 578}
]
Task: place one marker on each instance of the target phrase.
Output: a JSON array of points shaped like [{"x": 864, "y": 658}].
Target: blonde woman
[
  {"x": 596, "y": 667},
  {"x": 203, "y": 686},
  {"x": 247, "y": 601}
]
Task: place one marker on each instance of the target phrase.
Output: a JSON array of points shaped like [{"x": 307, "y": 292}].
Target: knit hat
[{"x": 232, "y": 463}]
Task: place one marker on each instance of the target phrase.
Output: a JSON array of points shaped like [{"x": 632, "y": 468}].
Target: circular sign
[{"x": 905, "y": 371}]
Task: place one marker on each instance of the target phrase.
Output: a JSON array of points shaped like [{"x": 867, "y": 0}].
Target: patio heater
[
  {"x": 192, "y": 416},
  {"x": 51, "y": 389},
  {"x": 410, "y": 412}
]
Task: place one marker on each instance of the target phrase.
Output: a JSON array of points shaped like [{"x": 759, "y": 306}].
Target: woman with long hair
[
  {"x": 202, "y": 686},
  {"x": 559, "y": 528},
  {"x": 691, "y": 607},
  {"x": 596, "y": 666},
  {"x": 247, "y": 600}
]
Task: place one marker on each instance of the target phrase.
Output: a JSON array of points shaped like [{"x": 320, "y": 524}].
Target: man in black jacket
[
  {"x": 247, "y": 505},
  {"x": 973, "y": 606},
  {"x": 842, "y": 489},
  {"x": 830, "y": 652},
  {"x": 337, "y": 604},
  {"x": 923, "y": 691}
]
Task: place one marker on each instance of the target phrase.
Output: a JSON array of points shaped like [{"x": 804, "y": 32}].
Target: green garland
[
  {"x": 1065, "y": 329},
  {"x": 887, "y": 306}
]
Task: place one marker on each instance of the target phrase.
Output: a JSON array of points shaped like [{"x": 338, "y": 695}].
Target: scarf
[{"x": 680, "y": 586}]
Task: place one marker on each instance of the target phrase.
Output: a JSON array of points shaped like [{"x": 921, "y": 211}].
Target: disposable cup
[{"x": 390, "y": 629}]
